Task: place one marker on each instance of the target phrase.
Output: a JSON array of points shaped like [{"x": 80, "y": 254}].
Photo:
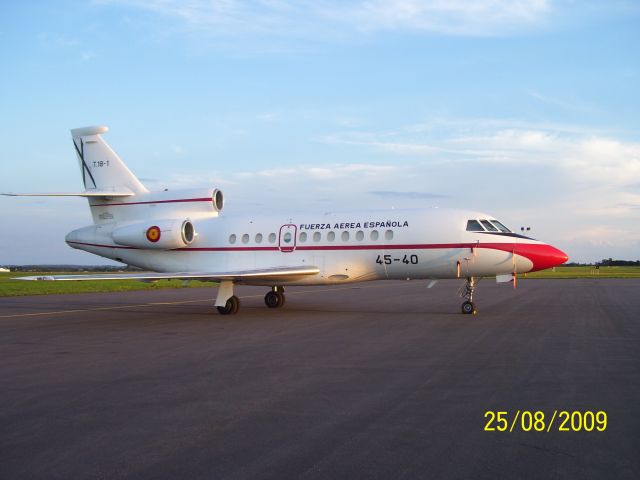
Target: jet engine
[
  {"x": 156, "y": 234},
  {"x": 217, "y": 199}
]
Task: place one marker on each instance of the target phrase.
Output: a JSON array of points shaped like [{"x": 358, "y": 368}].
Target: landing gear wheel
[
  {"x": 466, "y": 291},
  {"x": 468, "y": 307},
  {"x": 274, "y": 299},
  {"x": 231, "y": 308}
]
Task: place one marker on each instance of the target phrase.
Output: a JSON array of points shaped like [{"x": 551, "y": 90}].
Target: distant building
[{"x": 2, "y": 269}]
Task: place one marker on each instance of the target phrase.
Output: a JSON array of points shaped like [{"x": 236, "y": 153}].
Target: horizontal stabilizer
[
  {"x": 87, "y": 193},
  {"x": 258, "y": 274}
]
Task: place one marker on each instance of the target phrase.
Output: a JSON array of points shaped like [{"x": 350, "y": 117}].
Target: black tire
[
  {"x": 468, "y": 307},
  {"x": 272, "y": 299},
  {"x": 235, "y": 302},
  {"x": 231, "y": 308},
  {"x": 282, "y": 298}
]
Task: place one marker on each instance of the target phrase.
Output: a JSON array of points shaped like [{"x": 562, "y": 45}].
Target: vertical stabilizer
[{"x": 102, "y": 169}]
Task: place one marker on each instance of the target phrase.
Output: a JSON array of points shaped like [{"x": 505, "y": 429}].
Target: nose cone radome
[{"x": 548, "y": 257}]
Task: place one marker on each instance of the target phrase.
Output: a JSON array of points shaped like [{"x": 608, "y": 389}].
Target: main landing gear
[
  {"x": 228, "y": 304},
  {"x": 275, "y": 298},
  {"x": 231, "y": 307},
  {"x": 466, "y": 291}
]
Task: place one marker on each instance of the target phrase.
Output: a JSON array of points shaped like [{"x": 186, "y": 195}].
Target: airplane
[{"x": 184, "y": 234}]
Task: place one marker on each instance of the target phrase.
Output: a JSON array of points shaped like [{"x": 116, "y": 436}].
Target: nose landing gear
[
  {"x": 466, "y": 291},
  {"x": 468, "y": 307},
  {"x": 275, "y": 298}
]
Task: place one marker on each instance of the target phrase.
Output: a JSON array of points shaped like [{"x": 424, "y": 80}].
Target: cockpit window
[
  {"x": 500, "y": 226},
  {"x": 474, "y": 226},
  {"x": 488, "y": 226}
]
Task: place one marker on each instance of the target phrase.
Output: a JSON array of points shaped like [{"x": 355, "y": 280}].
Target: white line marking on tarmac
[{"x": 151, "y": 304}]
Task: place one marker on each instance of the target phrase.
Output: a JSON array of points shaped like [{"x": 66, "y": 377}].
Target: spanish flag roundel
[{"x": 153, "y": 234}]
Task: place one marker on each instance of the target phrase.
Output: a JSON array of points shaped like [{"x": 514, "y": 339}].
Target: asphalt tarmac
[{"x": 382, "y": 380}]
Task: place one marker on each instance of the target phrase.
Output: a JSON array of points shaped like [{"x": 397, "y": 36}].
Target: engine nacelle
[
  {"x": 156, "y": 234},
  {"x": 217, "y": 199}
]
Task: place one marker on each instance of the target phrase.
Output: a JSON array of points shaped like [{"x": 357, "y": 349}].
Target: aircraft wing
[{"x": 278, "y": 273}]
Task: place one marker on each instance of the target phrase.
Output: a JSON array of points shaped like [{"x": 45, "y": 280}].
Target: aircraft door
[{"x": 287, "y": 238}]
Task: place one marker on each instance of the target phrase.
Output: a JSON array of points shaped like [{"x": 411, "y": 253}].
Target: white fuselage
[{"x": 346, "y": 247}]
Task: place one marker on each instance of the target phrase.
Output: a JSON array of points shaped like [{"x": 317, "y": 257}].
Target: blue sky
[{"x": 527, "y": 110}]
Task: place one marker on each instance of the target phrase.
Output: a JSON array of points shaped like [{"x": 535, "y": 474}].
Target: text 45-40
[{"x": 389, "y": 259}]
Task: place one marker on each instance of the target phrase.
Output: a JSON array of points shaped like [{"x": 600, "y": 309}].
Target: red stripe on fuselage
[
  {"x": 542, "y": 256},
  {"x": 178, "y": 200}
]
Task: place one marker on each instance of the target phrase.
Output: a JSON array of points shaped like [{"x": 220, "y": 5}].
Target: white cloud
[
  {"x": 186, "y": 180},
  {"x": 224, "y": 17},
  {"x": 405, "y": 194},
  {"x": 373, "y": 141},
  {"x": 588, "y": 157},
  {"x": 349, "y": 122},
  {"x": 510, "y": 140},
  {"x": 54, "y": 40},
  {"x": 606, "y": 160},
  {"x": 86, "y": 56},
  {"x": 572, "y": 106},
  {"x": 593, "y": 235},
  {"x": 329, "y": 172},
  {"x": 452, "y": 17},
  {"x": 321, "y": 18},
  {"x": 268, "y": 116}
]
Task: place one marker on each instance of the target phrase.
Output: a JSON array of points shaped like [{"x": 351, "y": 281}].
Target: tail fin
[{"x": 102, "y": 170}]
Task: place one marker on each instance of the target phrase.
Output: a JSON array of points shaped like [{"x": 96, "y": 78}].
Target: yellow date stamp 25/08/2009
[{"x": 537, "y": 421}]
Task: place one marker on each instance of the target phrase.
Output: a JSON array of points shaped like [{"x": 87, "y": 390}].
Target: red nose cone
[{"x": 542, "y": 256}]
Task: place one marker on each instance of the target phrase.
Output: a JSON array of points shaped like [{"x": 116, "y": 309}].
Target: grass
[
  {"x": 12, "y": 288},
  {"x": 586, "y": 272}
]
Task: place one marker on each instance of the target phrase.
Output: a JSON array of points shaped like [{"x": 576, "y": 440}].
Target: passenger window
[
  {"x": 359, "y": 235},
  {"x": 331, "y": 236},
  {"x": 232, "y": 238},
  {"x": 245, "y": 238},
  {"x": 500, "y": 226},
  {"x": 317, "y": 236},
  {"x": 303, "y": 237},
  {"x": 474, "y": 226},
  {"x": 488, "y": 226},
  {"x": 287, "y": 237},
  {"x": 345, "y": 236},
  {"x": 374, "y": 235},
  {"x": 272, "y": 238},
  {"x": 388, "y": 234},
  {"x": 258, "y": 238}
]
